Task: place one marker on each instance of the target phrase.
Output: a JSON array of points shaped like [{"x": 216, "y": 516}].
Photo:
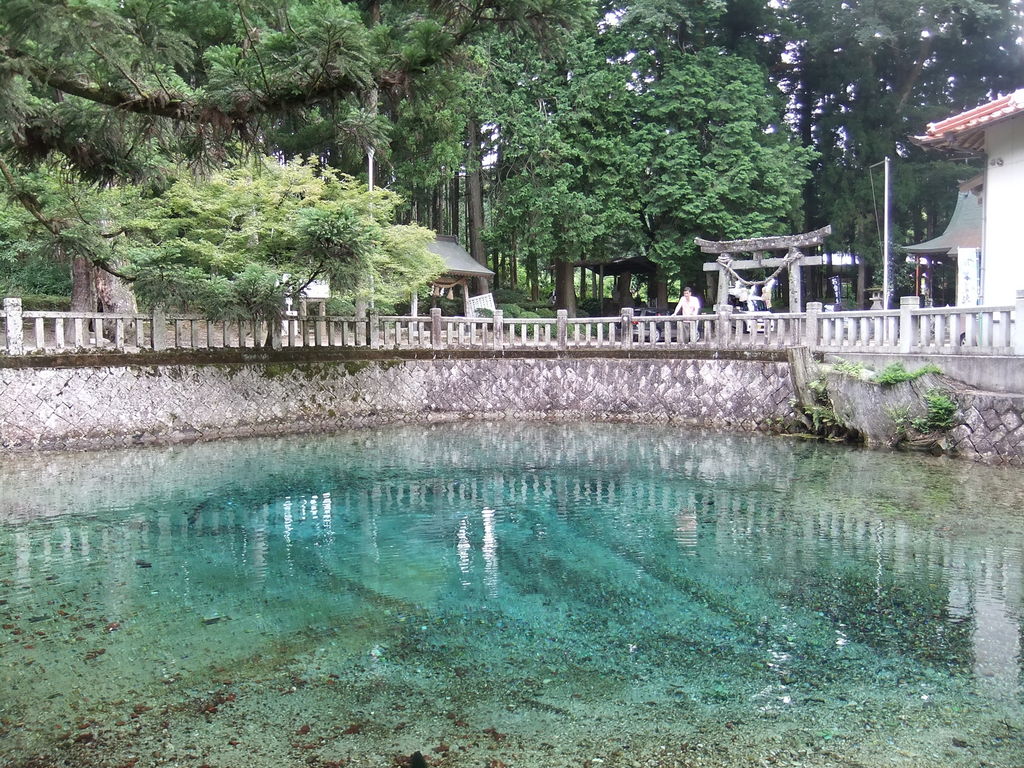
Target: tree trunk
[
  {"x": 436, "y": 221},
  {"x": 862, "y": 278},
  {"x": 532, "y": 277},
  {"x": 475, "y": 194},
  {"x": 565, "y": 290},
  {"x": 83, "y": 286},
  {"x": 659, "y": 294},
  {"x": 114, "y": 294},
  {"x": 623, "y": 291},
  {"x": 454, "y": 199}
]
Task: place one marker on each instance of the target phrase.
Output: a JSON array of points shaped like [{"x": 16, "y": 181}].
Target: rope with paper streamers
[{"x": 791, "y": 257}]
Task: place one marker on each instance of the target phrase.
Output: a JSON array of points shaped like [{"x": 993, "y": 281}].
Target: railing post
[
  {"x": 562, "y": 327},
  {"x": 499, "y": 328},
  {"x": 275, "y": 331},
  {"x": 158, "y": 329},
  {"x": 13, "y": 322},
  {"x": 1018, "y": 325},
  {"x": 812, "y": 329},
  {"x": 723, "y": 325},
  {"x": 375, "y": 341},
  {"x": 907, "y": 306},
  {"x": 435, "y": 327},
  {"x": 626, "y": 325}
]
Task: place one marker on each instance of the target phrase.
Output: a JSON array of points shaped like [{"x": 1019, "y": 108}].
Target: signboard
[{"x": 968, "y": 277}]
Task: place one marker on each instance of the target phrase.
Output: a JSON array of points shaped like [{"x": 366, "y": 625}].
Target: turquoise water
[{"x": 510, "y": 595}]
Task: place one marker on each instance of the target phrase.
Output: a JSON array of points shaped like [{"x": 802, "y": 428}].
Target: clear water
[{"x": 529, "y": 595}]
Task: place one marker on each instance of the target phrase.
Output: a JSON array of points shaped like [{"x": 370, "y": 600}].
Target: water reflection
[{"x": 781, "y": 565}]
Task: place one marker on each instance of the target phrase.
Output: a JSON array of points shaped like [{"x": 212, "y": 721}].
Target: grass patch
[{"x": 896, "y": 373}]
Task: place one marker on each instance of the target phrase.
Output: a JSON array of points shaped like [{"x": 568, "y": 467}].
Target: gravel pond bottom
[{"x": 510, "y": 595}]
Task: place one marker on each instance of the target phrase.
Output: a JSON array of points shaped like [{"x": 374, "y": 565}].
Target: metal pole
[
  {"x": 885, "y": 239},
  {"x": 369, "y": 173}
]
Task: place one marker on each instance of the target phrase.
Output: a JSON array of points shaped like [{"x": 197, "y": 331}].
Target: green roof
[
  {"x": 963, "y": 230},
  {"x": 456, "y": 259}
]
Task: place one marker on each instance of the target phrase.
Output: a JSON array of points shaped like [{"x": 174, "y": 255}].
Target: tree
[
  {"x": 92, "y": 79},
  {"x": 565, "y": 184},
  {"x": 67, "y": 223},
  {"x": 721, "y": 162},
  {"x": 117, "y": 89},
  {"x": 236, "y": 244},
  {"x": 862, "y": 77}
]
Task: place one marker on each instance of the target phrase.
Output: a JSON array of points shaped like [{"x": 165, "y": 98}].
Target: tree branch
[
  {"x": 28, "y": 201},
  {"x": 252, "y": 45}
]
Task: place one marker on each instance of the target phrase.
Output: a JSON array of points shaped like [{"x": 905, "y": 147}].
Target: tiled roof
[{"x": 967, "y": 130}]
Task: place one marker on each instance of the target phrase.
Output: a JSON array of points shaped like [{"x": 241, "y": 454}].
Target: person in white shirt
[{"x": 689, "y": 306}]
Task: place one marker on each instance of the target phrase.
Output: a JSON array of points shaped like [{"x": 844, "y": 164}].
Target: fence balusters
[{"x": 948, "y": 330}]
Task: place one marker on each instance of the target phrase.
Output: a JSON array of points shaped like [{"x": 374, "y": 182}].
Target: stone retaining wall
[
  {"x": 80, "y": 407},
  {"x": 991, "y": 428},
  {"x": 93, "y": 403}
]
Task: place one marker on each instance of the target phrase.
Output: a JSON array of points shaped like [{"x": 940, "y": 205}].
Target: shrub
[
  {"x": 856, "y": 370},
  {"x": 510, "y": 296},
  {"x": 340, "y": 307},
  {"x": 893, "y": 374},
  {"x": 896, "y": 373},
  {"x": 941, "y": 415},
  {"x": 36, "y": 302}
]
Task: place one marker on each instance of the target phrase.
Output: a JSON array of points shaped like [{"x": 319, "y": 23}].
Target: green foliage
[
  {"x": 609, "y": 131},
  {"x": 941, "y": 414},
  {"x": 610, "y": 149},
  {"x": 896, "y": 373},
  {"x": 34, "y": 302},
  {"x": 236, "y": 244},
  {"x": 722, "y": 168},
  {"x": 920, "y": 70},
  {"x": 856, "y": 370},
  {"x": 101, "y": 82},
  {"x": 819, "y": 416},
  {"x": 901, "y": 419}
]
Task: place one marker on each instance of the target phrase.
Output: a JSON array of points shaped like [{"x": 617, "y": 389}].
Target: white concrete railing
[{"x": 910, "y": 329}]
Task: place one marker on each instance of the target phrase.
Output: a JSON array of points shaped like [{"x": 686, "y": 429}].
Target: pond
[{"x": 495, "y": 594}]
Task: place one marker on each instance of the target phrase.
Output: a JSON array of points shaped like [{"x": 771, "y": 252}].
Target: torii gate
[{"x": 793, "y": 260}]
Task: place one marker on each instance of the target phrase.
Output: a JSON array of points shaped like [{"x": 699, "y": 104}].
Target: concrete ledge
[{"x": 989, "y": 373}]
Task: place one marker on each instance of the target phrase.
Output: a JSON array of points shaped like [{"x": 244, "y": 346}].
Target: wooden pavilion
[{"x": 461, "y": 270}]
